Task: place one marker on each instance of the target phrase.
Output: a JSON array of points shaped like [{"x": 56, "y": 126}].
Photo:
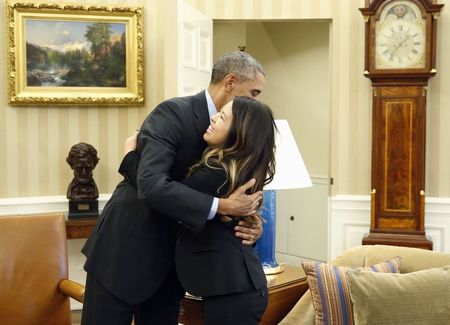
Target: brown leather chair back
[{"x": 33, "y": 260}]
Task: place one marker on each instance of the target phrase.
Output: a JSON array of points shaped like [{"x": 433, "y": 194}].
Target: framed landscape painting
[{"x": 74, "y": 54}]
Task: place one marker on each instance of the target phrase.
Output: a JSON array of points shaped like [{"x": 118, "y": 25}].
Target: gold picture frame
[{"x": 67, "y": 54}]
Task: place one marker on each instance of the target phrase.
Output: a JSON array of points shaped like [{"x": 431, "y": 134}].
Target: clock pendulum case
[{"x": 400, "y": 57}]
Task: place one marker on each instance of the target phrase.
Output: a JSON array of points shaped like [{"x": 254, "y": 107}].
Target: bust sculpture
[{"x": 82, "y": 159}]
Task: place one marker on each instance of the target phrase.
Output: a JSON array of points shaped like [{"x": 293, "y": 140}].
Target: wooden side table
[
  {"x": 80, "y": 228},
  {"x": 285, "y": 289}
]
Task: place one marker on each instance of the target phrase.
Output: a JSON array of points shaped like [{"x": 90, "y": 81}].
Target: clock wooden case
[{"x": 400, "y": 57}]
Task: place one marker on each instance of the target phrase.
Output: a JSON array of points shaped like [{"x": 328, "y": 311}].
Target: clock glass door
[{"x": 400, "y": 35}]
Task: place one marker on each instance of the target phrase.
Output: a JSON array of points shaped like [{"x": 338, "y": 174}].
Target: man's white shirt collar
[{"x": 212, "y": 110}]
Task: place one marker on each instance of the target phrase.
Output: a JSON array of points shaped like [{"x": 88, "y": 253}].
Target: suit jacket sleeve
[{"x": 160, "y": 135}]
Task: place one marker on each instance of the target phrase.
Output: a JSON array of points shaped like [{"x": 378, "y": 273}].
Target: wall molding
[
  {"x": 350, "y": 221},
  {"x": 349, "y": 216},
  {"x": 41, "y": 204}
]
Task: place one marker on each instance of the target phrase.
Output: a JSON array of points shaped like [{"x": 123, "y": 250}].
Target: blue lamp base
[{"x": 265, "y": 246}]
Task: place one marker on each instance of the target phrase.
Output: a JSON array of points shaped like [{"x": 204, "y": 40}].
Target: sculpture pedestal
[{"x": 81, "y": 209}]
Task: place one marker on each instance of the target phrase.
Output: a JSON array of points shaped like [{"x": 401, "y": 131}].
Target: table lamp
[{"x": 290, "y": 173}]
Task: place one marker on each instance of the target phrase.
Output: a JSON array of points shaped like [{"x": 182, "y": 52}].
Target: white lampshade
[{"x": 290, "y": 172}]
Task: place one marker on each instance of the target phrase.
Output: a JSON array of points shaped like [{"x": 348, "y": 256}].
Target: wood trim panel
[{"x": 398, "y": 157}]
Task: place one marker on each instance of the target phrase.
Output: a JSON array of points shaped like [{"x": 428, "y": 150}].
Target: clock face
[{"x": 400, "y": 37}]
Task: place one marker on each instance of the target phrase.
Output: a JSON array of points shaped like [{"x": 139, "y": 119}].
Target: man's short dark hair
[{"x": 241, "y": 64}]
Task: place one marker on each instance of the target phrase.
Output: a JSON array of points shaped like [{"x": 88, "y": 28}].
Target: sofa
[{"x": 412, "y": 260}]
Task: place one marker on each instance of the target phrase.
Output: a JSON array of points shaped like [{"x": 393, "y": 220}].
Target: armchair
[{"x": 33, "y": 271}]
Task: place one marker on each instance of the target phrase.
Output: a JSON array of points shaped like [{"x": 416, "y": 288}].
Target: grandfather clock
[{"x": 400, "y": 52}]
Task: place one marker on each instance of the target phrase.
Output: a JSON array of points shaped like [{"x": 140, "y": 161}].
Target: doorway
[{"x": 296, "y": 59}]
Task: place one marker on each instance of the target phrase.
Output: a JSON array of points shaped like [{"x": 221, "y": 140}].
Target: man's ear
[{"x": 229, "y": 81}]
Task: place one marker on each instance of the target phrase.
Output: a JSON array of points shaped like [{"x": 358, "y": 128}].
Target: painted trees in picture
[{"x": 75, "y": 53}]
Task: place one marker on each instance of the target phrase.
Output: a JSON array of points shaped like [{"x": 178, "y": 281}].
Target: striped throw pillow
[{"x": 330, "y": 291}]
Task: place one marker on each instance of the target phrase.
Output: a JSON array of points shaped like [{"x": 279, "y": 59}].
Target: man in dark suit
[{"x": 130, "y": 252}]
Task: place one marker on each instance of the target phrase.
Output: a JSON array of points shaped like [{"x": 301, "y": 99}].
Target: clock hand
[{"x": 400, "y": 44}]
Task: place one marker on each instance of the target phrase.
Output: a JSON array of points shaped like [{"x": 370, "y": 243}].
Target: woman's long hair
[{"x": 249, "y": 151}]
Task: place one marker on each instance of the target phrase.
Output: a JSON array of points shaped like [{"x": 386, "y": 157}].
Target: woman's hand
[
  {"x": 130, "y": 143},
  {"x": 249, "y": 229}
]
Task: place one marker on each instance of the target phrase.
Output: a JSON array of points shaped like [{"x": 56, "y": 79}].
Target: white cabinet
[{"x": 302, "y": 229}]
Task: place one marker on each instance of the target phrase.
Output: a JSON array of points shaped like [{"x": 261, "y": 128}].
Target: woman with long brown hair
[{"x": 214, "y": 264}]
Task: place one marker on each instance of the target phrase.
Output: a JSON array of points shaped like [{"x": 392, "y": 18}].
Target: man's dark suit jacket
[
  {"x": 214, "y": 261},
  {"x": 131, "y": 248}
]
